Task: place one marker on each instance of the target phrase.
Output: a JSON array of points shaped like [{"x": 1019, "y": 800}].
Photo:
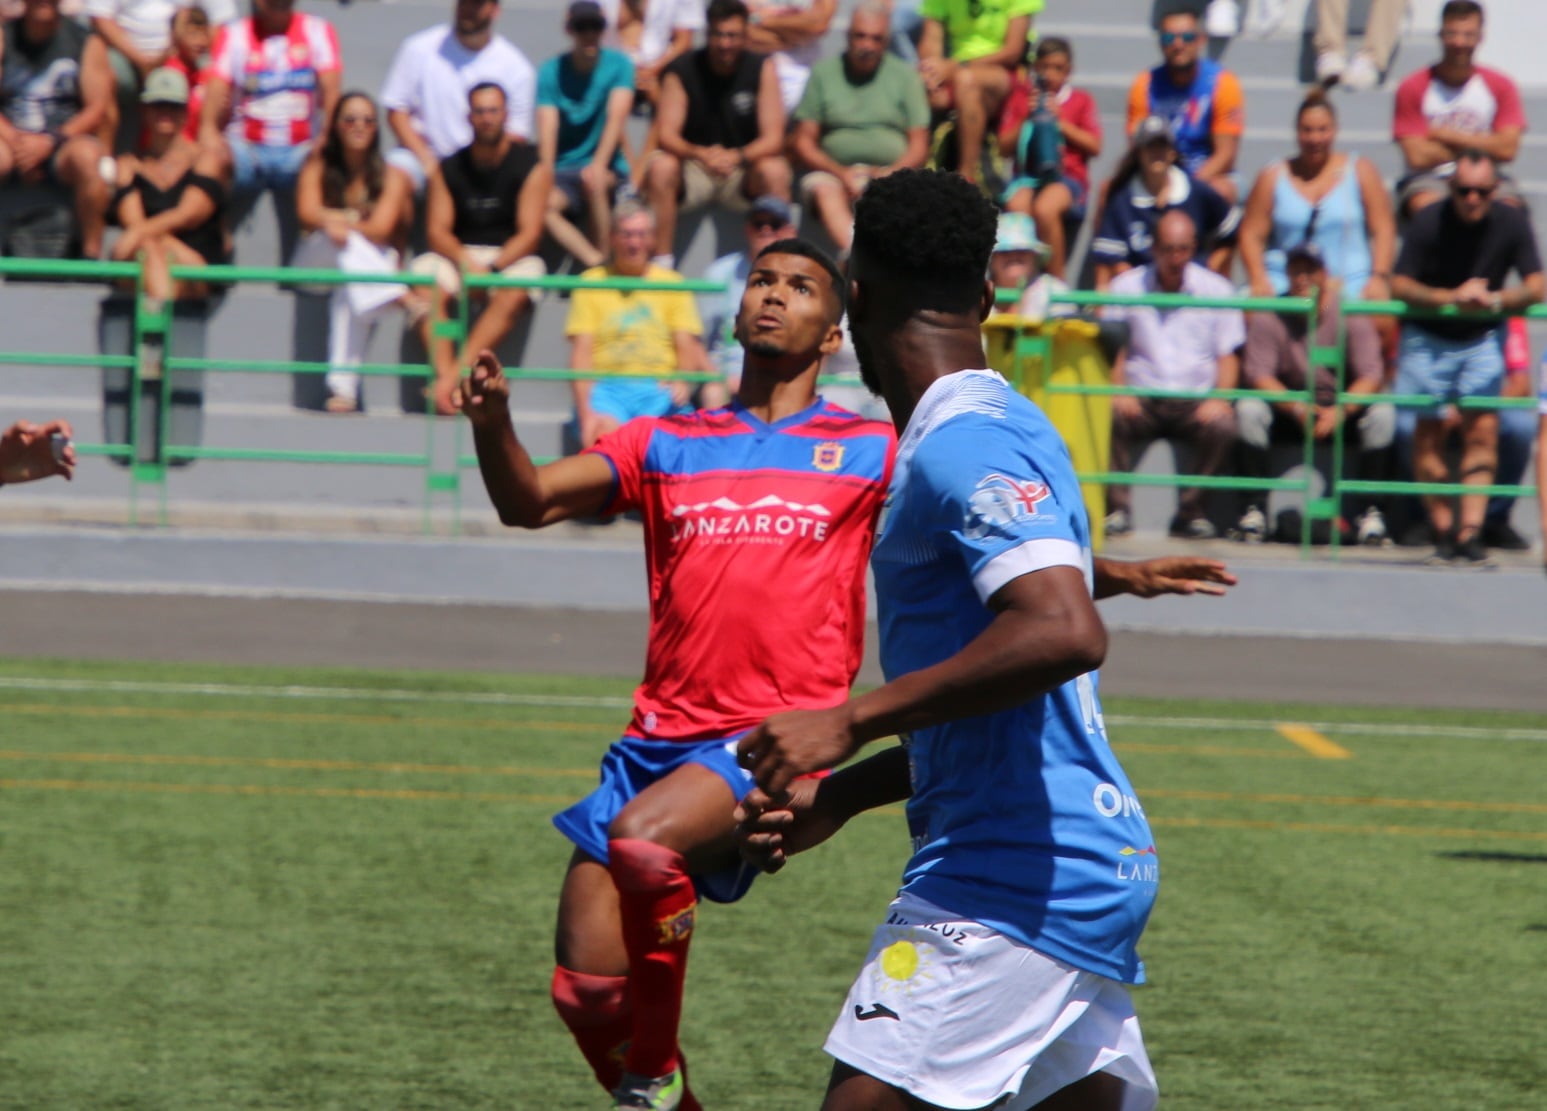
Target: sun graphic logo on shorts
[
  {"x": 678, "y": 927},
  {"x": 903, "y": 965}
]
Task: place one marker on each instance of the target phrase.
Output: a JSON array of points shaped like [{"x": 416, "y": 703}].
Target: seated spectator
[
  {"x": 1381, "y": 29},
  {"x": 631, "y": 332},
  {"x": 55, "y": 86},
  {"x": 790, "y": 32},
  {"x": 1541, "y": 456},
  {"x": 1322, "y": 196},
  {"x": 271, "y": 75},
  {"x": 484, "y": 216},
  {"x": 1278, "y": 354},
  {"x": 191, "y": 37},
  {"x": 583, "y": 99},
  {"x": 1051, "y": 131},
  {"x": 29, "y": 452},
  {"x": 1147, "y": 184},
  {"x": 720, "y": 126},
  {"x": 768, "y": 221},
  {"x": 425, "y": 93},
  {"x": 1017, "y": 263},
  {"x": 1199, "y": 98},
  {"x": 863, "y": 115},
  {"x": 1453, "y": 106},
  {"x": 172, "y": 196},
  {"x": 138, "y": 35},
  {"x": 987, "y": 42},
  {"x": 355, "y": 211},
  {"x": 653, "y": 34},
  {"x": 1461, "y": 253},
  {"x": 1177, "y": 349}
]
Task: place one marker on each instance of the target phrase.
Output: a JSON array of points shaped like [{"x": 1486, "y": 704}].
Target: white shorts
[{"x": 958, "y": 1015}]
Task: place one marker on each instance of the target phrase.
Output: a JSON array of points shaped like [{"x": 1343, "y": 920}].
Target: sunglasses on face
[
  {"x": 588, "y": 26},
  {"x": 766, "y": 225},
  {"x": 1167, "y": 38},
  {"x": 1473, "y": 190}
]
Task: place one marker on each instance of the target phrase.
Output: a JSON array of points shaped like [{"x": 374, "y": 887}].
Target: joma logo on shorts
[{"x": 679, "y": 927}]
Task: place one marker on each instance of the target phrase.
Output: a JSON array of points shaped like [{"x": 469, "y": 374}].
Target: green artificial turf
[{"x": 245, "y": 888}]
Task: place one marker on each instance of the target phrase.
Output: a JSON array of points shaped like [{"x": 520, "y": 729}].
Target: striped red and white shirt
[{"x": 274, "y": 78}]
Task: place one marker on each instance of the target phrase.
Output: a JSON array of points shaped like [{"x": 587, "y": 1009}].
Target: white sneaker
[
  {"x": 1252, "y": 528},
  {"x": 1222, "y": 20},
  {"x": 1330, "y": 67},
  {"x": 1362, "y": 74},
  {"x": 1370, "y": 530}
]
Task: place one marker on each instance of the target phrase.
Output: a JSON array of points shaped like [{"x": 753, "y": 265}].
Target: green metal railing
[
  {"x": 153, "y": 327},
  {"x": 1327, "y": 507}
]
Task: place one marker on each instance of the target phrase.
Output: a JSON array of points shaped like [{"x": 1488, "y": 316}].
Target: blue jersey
[{"x": 1021, "y": 820}]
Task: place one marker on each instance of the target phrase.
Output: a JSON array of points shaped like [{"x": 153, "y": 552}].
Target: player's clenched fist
[
  {"x": 793, "y": 744},
  {"x": 484, "y": 395}
]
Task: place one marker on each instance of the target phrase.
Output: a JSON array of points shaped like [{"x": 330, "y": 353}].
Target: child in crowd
[
  {"x": 1017, "y": 263},
  {"x": 1051, "y": 131}
]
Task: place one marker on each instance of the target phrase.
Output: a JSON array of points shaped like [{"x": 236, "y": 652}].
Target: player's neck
[
  {"x": 920, "y": 354},
  {"x": 771, "y": 398}
]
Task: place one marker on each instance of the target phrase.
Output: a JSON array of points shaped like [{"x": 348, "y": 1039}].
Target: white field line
[{"x": 498, "y": 698}]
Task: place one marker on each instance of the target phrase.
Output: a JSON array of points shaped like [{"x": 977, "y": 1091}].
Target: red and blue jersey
[{"x": 756, "y": 542}]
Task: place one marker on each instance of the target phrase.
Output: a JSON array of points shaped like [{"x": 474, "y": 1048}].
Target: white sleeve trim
[{"x": 1023, "y": 559}]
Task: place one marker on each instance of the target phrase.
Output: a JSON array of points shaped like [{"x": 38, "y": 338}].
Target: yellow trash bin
[{"x": 1034, "y": 355}]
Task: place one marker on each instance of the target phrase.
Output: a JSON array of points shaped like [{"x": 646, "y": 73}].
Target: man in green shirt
[
  {"x": 864, "y": 114},
  {"x": 988, "y": 40}
]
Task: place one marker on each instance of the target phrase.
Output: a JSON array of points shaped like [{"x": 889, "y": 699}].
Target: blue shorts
[
  {"x": 630, "y": 398},
  {"x": 1447, "y": 369},
  {"x": 257, "y": 167},
  {"x": 631, "y": 765}
]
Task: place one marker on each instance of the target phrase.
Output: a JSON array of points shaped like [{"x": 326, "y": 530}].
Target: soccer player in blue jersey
[{"x": 999, "y": 975}]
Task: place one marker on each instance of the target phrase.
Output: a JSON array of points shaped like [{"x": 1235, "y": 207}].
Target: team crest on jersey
[
  {"x": 827, "y": 456},
  {"x": 1000, "y": 502},
  {"x": 677, "y": 927}
]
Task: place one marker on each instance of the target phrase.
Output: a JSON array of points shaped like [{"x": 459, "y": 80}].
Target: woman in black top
[
  {"x": 172, "y": 196},
  {"x": 356, "y": 210}
]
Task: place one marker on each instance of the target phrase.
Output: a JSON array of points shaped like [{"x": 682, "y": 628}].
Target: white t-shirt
[
  {"x": 432, "y": 73},
  {"x": 148, "y": 23},
  {"x": 1177, "y": 349},
  {"x": 662, "y": 19},
  {"x": 792, "y": 66}
]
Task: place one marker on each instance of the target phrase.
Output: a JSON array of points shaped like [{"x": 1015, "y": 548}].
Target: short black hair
[
  {"x": 1476, "y": 154},
  {"x": 803, "y": 249},
  {"x": 721, "y": 10},
  {"x": 929, "y": 233},
  {"x": 485, "y": 86},
  {"x": 1050, "y": 45},
  {"x": 1460, "y": 9}
]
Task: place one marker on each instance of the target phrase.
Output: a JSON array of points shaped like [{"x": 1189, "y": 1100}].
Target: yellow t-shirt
[{"x": 632, "y": 330}]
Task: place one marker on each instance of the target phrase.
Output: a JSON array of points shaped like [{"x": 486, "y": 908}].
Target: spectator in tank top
[
  {"x": 485, "y": 216},
  {"x": 1326, "y": 197},
  {"x": 721, "y": 129}
]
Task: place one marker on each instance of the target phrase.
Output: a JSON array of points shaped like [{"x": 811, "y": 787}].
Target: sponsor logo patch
[
  {"x": 827, "y": 456},
  {"x": 999, "y": 502},
  {"x": 678, "y": 927}
]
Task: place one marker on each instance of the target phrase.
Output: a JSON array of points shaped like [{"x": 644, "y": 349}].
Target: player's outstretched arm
[
  {"x": 769, "y": 831},
  {"x": 1045, "y": 632},
  {"x": 1150, "y": 578},
  {"x": 523, "y": 493}
]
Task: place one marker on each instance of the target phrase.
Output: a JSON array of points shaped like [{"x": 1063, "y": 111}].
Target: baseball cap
[
  {"x": 769, "y": 205},
  {"x": 1153, "y": 129},
  {"x": 165, "y": 86},
  {"x": 583, "y": 13},
  {"x": 1018, "y": 233},
  {"x": 1309, "y": 251}
]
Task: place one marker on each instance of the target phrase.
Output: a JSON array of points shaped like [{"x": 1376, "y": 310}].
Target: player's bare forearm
[
  {"x": 509, "y": 475},
  {"x": 769, "y": 831},
  {"x": 1046, "y": 632},
  {"x": 1150, "y": 578}
]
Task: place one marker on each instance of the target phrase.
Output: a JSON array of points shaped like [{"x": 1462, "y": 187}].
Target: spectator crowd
[{"x": 160, "y": 123}]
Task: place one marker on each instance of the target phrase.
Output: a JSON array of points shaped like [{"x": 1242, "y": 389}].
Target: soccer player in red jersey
[{"x": 758, "y": 522}]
